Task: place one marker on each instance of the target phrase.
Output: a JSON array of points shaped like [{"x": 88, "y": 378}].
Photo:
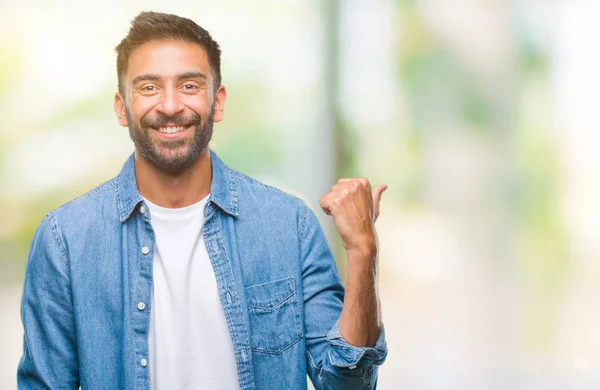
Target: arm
[
  {"x": 49, "y": 358},
  {"x": 355, "y": 209},
  {"x": 333, "y": 362},
  {"x": 360, "y": 321}
]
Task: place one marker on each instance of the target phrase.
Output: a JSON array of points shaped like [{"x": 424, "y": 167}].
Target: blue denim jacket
[{"x": 90, "y": 265}]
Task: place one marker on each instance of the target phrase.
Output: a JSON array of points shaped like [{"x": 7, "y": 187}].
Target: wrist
[
  {"x": 364, "y": 247},
  {"x": 362, "y": 264}
]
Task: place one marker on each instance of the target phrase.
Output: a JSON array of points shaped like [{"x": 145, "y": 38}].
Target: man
[{"x": 183, "y": 274}]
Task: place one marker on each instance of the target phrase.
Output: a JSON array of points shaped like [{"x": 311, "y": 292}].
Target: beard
[{"x": 171, "y": 155}]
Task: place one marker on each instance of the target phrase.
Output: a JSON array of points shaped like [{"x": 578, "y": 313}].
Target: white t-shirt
[{"x": 189, "y": 342}]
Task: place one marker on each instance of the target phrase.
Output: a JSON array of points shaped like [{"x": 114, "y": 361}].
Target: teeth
[{"x": 171, "y": 130}]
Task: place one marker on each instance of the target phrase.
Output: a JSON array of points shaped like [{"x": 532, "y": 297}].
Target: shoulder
[
  {"x": 85, "y": 209},
  {"x": 269, "y": 201},
  {"x": 249, "y": 185},
  {"x": 75, "y": 218}
]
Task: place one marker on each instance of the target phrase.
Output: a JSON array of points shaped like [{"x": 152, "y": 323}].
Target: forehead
[{"x": 167, "y": 58}]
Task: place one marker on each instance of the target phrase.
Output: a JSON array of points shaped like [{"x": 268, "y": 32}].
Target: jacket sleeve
[
  {"x": 332, "y": 363},
  {"x": 49, "y": 358}
]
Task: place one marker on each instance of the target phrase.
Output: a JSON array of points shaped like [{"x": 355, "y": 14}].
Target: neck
[{"x": 174, "y": 190}]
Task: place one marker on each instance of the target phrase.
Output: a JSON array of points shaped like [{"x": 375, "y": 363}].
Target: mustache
[{"x": 168, "y": 120}]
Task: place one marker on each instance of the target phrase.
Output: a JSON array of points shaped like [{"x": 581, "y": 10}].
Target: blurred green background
[{"x": 479, "y": 115}]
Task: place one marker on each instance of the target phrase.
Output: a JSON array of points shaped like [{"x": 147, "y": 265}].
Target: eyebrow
[
  {"x": 191, "y": 75},
  {"x": 145, "y": 77},
  {"x": 179, "y": 77}
]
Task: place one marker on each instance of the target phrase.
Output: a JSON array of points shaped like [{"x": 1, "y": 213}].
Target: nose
[{"x": 170, "y": 102}]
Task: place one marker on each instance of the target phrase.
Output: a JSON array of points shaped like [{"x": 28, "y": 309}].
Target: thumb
[{"x": 377, "y": 199}]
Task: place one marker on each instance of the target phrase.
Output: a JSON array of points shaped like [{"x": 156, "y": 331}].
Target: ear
[
  {"x": 120, "y": 110},
  {"x": 220, "y": 97}
]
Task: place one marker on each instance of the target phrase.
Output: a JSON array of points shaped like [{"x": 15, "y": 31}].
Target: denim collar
[{"x": 223, "y": 191}]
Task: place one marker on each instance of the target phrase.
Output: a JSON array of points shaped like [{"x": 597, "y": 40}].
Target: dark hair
[{"x": 150, "y": 26}]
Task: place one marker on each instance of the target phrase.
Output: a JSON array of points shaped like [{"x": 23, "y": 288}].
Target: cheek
[
  {"x": 199, "y": 103},
  {"x": 140, "y": 107}
]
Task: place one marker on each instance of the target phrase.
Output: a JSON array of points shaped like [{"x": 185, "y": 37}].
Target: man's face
[{"x": 170, "y": 103}]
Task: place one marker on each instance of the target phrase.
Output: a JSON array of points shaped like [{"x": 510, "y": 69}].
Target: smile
[{"x": 171, "y": 130}]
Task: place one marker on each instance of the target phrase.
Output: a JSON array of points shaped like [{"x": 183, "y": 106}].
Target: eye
[
  {"x": 190, "y": 87},
  {"x": 149, "y": 88}
]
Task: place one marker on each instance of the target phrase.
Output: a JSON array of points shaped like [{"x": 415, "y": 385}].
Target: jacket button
[
  {"x": 145, "y": 250},
  {"x": 141, "y": 305},
  {"x": 144, "y": 362},
  {"x": 142, "y": 209}
]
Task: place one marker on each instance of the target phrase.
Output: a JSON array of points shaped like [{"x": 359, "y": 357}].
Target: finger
[
  {"x": 325, "y": 204},
  {"x": 342, "y": 186},
  {"x": 364, "y": 182},
  {"x": 377, "y": 198},
  {"x": 361, "y": 181}
]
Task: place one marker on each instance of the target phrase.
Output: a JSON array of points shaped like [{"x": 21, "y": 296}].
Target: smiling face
[{"x": 170, "y": 103}]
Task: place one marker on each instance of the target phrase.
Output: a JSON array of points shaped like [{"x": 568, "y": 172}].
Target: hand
[{"x": 354, "y": 209}]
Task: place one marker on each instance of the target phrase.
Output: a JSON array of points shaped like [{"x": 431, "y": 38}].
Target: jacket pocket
[{"x": 274, "y": 312}]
